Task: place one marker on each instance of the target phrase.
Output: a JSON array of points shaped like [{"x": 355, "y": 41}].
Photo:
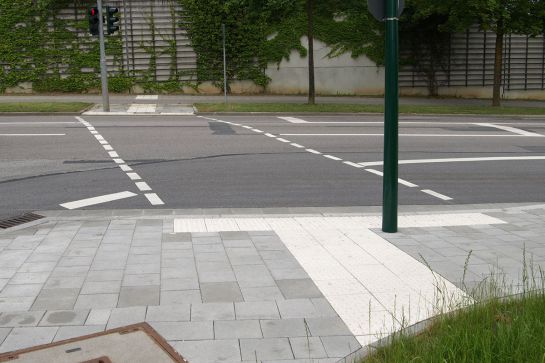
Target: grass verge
[
  {"x": 494, "y": 329},
  {"x": 350, "y": 108},
  {"x": 43, "y": 106}
]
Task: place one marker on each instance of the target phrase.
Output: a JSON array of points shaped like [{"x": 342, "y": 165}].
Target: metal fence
[
  {"x": 471, "y": 62},
  {"x": 153, "y": 38}
]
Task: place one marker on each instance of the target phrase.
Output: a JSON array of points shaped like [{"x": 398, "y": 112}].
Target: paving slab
[{"x": 295, "y": 286}]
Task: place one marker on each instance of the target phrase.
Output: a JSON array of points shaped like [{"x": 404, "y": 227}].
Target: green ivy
[
  {"x": 260, "y": 32},
  {"x": 40, "y": 47}
]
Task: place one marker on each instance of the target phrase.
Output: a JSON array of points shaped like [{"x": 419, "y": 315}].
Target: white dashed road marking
[
  {"x": 154, "y": 199},
  {"x": 133, "y": 176},
  {"x": 332, "y": 157},
  {"x": 142, "y": 186},
  {"x": 97, "y": 200},
  {"x": 437, "y": 195},
  {"x": 399, "y": 180},
  {"x": 352, "y": 164}
]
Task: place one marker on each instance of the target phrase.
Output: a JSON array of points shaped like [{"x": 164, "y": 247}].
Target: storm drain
[{"x": 17, "y": 221}]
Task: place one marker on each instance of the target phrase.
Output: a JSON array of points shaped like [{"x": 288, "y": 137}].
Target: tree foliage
[{"x": 503, "y": 17}]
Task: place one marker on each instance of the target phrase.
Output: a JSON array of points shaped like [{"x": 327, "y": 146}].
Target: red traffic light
[{"x": 93, "y": 11}]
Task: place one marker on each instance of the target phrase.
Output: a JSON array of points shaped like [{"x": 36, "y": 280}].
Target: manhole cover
[
  {"x": 131, "y": 344},
  {"x": 22, "y": 219}
]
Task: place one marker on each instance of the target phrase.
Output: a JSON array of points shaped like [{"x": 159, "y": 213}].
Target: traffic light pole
[
  {"x": 103, "y": 65},
  {"x": 391, "y": 127}
]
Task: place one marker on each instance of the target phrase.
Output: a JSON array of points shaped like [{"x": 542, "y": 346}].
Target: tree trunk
[
  {"x": 498, "y": 61},
  {"x": 311, "y": 84}
]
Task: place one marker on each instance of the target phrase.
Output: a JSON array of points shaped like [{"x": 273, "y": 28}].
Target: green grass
[
  {"x": 495, "y": 331},
  {"x": 43, "y": 106},
  {"x": 350, "y": 108},
  {"x": 494, "y": 326}
]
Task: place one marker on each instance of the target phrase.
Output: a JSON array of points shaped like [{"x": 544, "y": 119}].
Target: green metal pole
[{"x": 391, "y": 133}]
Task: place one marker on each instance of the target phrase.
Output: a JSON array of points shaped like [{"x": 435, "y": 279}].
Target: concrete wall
[{"x": 342, "y": 75}]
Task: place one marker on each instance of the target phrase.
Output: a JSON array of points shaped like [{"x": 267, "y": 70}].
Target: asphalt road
[{"x": 215, "y": 162}]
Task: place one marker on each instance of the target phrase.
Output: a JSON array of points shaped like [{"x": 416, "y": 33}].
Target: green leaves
[{"x": 37, "y": 44}]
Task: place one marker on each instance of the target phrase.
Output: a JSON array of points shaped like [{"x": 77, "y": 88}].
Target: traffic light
[
  {"x": 112, "y": 20},
  {"x": 94, "y": 21}
]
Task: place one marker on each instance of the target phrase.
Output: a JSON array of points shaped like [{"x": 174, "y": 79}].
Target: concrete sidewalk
[{"x": 282, "y": 285}]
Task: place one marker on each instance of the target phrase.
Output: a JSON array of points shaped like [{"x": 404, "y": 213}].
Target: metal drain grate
[{"x": 22, "y": 219}]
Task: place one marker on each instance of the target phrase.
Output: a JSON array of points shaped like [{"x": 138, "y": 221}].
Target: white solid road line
[
  {"x": 410, "y": 135},
  {"x": 332, "y": 157},
  {"x": 437, "y": 195},
  {"x": 98, "y": 200},
  {"x": 456, "y": 160},
  {"x": 37, "y": 123},
  {"x": 293, "y": 120},
  {"x": 399, "y": 180},
  {"x": 143, "y": 186},
  {"x": 513, "y": 130},
  {"x": 32, "y": 135},
  {"x": 154, "y": 199}
]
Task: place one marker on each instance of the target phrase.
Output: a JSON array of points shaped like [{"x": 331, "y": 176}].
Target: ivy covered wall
[
  {"x": 44, "y": 43},
  {"x": 260, "y": 32}
]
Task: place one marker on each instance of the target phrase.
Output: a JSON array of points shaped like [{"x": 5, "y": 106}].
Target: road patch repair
[{"x": 254, "y": 285}]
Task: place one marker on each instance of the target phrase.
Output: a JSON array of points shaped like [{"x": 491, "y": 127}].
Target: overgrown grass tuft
[
  {"x": 495, "y": 329},
  {"x": 359, "y": 108}
]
